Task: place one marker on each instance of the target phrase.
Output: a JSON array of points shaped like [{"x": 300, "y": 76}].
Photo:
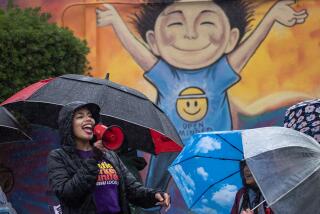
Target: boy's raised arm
[
  {"x": 280, "y": 12},
  {"x": 141, "y": 54}
]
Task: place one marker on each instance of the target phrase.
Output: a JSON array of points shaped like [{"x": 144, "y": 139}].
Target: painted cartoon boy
[{"x": 193, "y": 56}]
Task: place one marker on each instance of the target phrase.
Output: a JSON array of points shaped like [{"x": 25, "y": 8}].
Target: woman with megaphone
[{"x": 86, "y": 176}]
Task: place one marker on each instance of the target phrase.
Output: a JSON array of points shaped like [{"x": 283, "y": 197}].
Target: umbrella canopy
[
  {"x": 145, "y": 126},
  {"x": 207, "y": 171},
  {"x": 285, "y": 164},
  {"x": 10, "y": 130},
  {"x": 304, "y": 117}
]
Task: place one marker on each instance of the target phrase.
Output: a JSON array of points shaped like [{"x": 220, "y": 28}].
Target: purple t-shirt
[{"x": 106, "y": 193}]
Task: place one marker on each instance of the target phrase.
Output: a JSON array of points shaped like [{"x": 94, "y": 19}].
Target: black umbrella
[
  {"x": 146, "y": 127},
  {"x": 10, "y": 130}
]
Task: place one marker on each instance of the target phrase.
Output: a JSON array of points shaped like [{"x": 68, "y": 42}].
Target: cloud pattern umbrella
[
  {"x": 285, "y": 164},
  {"x": 207, "y": 171}
]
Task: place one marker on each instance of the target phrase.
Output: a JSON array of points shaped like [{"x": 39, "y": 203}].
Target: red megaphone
[{"x": 112, "y": 136}]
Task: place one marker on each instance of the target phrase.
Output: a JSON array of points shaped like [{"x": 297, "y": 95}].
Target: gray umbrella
[
  {"x": 10, "y": 130},
  {"x": 146, "y": 127},
  {"x": 286, "y": 166}
]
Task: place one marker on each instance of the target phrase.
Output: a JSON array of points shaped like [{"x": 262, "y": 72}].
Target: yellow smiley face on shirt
[{"x": 192, "y": 104}]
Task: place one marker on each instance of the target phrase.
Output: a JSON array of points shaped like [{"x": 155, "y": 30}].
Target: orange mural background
[
  {"x": 285, "y": 65},
  {"x": 285, "y": 62}
]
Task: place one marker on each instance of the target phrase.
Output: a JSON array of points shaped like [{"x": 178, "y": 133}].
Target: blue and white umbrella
[{"x": 285, "y": 164}]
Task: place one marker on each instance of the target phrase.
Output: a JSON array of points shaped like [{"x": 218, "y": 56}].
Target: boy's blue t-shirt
[{"x": 197, "y": 91}]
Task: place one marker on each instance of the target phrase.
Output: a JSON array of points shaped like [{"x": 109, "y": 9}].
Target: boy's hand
[
  {"x": 283, "y": 13},
  {"x": 107, "y": 15}
]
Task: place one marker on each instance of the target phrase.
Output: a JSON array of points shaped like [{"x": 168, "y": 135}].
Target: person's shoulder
[
  {"x": 56, "y": 153},
  {"x": 222, "y": 61},
  {"x": 241, "y": 191},
  {"x": 160, "y": 66},
  {"x": 111, "y": 154}
]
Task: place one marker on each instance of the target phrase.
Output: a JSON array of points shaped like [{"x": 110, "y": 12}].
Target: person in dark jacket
[
  {"x": 249, "y": 197},
  {"x": 87, "y": 178}
]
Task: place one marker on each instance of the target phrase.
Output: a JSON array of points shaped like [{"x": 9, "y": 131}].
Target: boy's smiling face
[{"x": 192, "y": 35}]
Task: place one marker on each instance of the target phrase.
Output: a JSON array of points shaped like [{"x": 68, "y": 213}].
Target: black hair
[
  {"x": 246, "y": 199},
  {"x": 239, "y": 12},
  {"x": 242, "y": 164}
]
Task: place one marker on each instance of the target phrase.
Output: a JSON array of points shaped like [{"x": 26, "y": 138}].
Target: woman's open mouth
[{"x": 87, "y": 129}]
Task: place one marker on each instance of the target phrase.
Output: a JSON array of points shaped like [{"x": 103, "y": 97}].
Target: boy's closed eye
[
  {"x": 207, "y": 23},
  {"x": 173, "y": 24}
]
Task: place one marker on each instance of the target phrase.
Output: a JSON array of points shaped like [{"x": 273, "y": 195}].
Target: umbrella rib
[
  {"x": 211, "y": 186},
  {"x": 11, "y": 117},
  {"x": 199, "y": 156},
  {"x": 284, "y": 194},
  {"x": 229, "y": 143},
  {"x": 19, "y": 130}
]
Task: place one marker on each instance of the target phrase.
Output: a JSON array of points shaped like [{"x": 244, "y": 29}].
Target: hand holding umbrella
[{"x": 164, "y": 200}]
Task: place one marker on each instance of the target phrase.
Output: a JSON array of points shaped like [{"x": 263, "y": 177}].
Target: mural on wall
[
  {"x": 187, "y": 56},
  {"x": 193, "y": 56}
]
